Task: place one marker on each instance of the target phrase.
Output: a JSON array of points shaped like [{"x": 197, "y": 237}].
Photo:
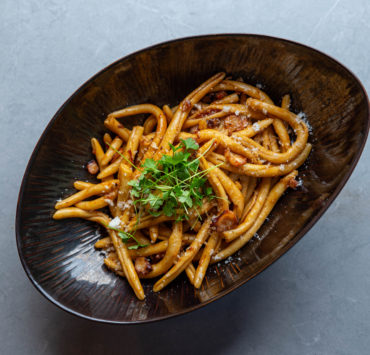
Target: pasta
[{"x": 193, "y": 184}]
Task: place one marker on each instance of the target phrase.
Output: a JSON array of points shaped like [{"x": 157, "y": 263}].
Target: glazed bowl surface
[{"x": 59, "y": 256}]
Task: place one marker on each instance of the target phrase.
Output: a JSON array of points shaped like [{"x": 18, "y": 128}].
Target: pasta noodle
[{"x": 192, "y": 185}]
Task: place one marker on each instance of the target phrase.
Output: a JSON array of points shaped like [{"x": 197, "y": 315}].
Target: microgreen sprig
[
  {"x": 124, "y": 158},
  {"x": 127, "y": 237}
]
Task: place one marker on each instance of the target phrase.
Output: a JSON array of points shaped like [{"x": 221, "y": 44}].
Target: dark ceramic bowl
[{"x": 59, "y": 257}]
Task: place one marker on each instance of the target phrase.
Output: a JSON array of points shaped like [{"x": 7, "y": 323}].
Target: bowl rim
[{"x": 234, "y": 286}]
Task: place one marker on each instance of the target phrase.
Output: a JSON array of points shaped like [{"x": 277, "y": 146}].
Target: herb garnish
[
  {"x": 173, "y": 184},
  {"x": 169, "y": 186},
  {"x": 128, "y": 237}
]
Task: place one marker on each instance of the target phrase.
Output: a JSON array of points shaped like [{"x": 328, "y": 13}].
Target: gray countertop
[{"x": 314, "y": 300}]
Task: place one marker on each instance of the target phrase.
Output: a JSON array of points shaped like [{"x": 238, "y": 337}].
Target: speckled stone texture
[{"x": 314, "y": 300}]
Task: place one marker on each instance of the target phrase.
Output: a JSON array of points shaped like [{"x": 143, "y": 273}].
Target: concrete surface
[{"x": 315, "y": 300}]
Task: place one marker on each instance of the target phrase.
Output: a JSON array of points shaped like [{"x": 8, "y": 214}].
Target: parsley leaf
[
  {"x": 124, "y": 236},
  {"x": 150, "y": 164},
  {"x": 190, "y": 143},
  {"x": 208, "y": 191}
]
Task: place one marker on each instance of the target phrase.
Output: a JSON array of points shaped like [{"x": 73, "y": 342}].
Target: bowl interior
[{"x": 59, "y": 256}]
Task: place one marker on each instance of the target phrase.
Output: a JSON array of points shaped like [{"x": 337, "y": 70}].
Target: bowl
[{"x": 59, "y": 256}]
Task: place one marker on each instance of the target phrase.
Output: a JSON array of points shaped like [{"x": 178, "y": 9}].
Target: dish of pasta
[{"x": 193, "y": 184}]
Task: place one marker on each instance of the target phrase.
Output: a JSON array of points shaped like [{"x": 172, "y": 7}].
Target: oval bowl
[{"x": 59, "y": 256}]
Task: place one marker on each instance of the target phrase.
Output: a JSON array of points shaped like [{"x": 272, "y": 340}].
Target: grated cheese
[
  {"x": 237, "y": 139},
  {"x": 256, "y": 126},
  {"x": 122, "y": 205},
  {"x": 301, "y": 115},
  {"x": 109, "y": 202},
  {"x": 115, "y": 222}
]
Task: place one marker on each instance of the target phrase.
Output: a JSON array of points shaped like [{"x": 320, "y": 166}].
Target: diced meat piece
[
  {"x": 194, "y": 129},
  {"x": 293, "y": 183},
  {"x": 142, "y": 266},
  {"x": 234, "y": 123},
  {"x": 92, "y": 167},
  {"x": 225, "y": 221},
  {"x": 213, "y": 122},
  {"x": 234, "y": 159}
]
